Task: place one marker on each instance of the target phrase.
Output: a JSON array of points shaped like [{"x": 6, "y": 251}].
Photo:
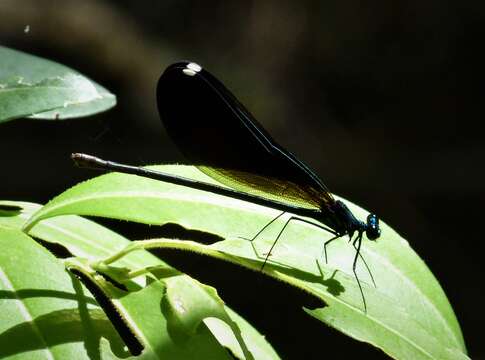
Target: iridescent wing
[{"x": 217, "y": 134}]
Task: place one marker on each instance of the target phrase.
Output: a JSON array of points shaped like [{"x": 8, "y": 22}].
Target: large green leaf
[
  {"x": 44, "y": 313},
  {"x": 40, "y": 88},
  {"x": 408, "y": 315},
  {"x": 163, "y": 333}
]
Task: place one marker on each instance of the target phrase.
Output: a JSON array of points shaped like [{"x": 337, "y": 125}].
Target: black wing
[{"x": 216, "y": 133}]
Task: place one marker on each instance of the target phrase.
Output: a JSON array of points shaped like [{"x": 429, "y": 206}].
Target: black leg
[
  {"x": 358, "y": 240},
  {"x": 284, "y": 227},
  {"x": 366, "y": 266},
  {"x": 325, "y": 246},
  {"x": 265, "y": 226}
]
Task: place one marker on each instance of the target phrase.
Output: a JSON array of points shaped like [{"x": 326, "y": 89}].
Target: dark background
[{"x": 383, "y": 100}]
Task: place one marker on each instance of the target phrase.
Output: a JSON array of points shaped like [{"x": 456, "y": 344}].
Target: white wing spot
[
  {"x": 189, "y": 72},
  {"x": 193, "y": 66}
]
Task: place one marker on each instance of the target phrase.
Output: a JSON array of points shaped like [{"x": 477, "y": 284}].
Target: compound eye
[{"x": 373, "y": 231}]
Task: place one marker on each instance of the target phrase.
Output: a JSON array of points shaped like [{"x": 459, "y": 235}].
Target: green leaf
[
  {"x": 39, "y": 88},
  {"x": 408, "y": 313},
  {"x": 143, "y": 314},
  {"x": 257, "y": 343},
  {"x": 143, "y": 309},
  {"x": 45, "y": 314}
]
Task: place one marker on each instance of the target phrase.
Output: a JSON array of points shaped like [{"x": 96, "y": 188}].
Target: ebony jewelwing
[{"x": 216, "y": 133}]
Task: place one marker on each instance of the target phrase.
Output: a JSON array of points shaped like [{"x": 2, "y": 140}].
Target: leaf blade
[
  {"x": 39, "y": 88},
  {"x": 38, "y": 308},
  {"x": 92, "y": 241},
  {"x": 404, "y": 284}
]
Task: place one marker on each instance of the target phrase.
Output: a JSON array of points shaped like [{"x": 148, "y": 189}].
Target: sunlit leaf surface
[
  {"x": 152, "y": 310},
  {"x": 408, "y": 315},
  {"x": 45, "y": 313}
]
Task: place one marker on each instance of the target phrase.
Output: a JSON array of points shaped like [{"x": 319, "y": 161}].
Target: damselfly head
[{"x": 372, "y": 231}]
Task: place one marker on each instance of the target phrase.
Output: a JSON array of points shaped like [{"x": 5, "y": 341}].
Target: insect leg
[
  {"x": 358, "y": 240},
  {"x": 328, "y": 242},
  {"x": 284, "y": 227},
  {"x": 365, "y": 263},
  {"x": 265, "y": 226}
]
